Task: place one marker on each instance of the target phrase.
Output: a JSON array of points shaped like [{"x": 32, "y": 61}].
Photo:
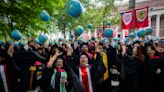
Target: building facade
[{"x": 156, "y": 14}]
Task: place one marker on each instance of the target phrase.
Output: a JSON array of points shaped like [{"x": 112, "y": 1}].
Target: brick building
[{"x": 156, "y": 13}]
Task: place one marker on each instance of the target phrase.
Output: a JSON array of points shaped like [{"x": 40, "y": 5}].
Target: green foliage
[{"x": 24, "y": 15}]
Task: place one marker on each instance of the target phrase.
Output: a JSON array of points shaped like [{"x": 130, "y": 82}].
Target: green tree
[{"x": 24, "y": 15}]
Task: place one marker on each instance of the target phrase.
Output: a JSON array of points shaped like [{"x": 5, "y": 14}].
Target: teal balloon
[
  {"x": 28, "y": 34},
  {"x": 42, "y": 39},
  {"x": 36, "y": 41},
  {"x": 108, "y": 32},
  {"x": 126, "y": 39},
  {"x": 60, "y": 39},
  {"x": 80, "y": 41},
  {"x": 2, "y": 43},
  {"x": 71, "y": 36},
  {"x": 149, "y": 31},
  {"x": 9, "y": 42},
  {"x": 141, "y": 33},
  {"x": 16, "y": 35},
  {"x": 147, "y": 41},
  {"x": 79, "y": 30},
  {"x": 156, "y": 39},
  {"x": 115, "y": 39},
  {"x": 74, "y": 8},
  {"x": 16, "y": 44},
  {"x": 70, "y": 39},
  {"x": 103, "y": 40},
  {"x": 108, "y": 23},
  {"x": 44, "y": 16},
  {"x": 132, "y": 35},
  {"x": 118, "y": 40},
  {"x": 90, "y": 26}
]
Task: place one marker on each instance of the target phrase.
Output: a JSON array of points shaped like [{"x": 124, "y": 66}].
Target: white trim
[
  {"x": 80, "y": 75},
  {"x": 89, "y": 80},
  {"x": 2, "y": 72}
]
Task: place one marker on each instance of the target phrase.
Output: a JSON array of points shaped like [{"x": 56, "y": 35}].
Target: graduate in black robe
[
  {"x": 90, "y": 76},
  {"x": 8, "y": 82},
  {"x": 132, "y": 71},
  {"x": 154, "y": 71},
  {"x": 23, "y": 59},
  {"x": 55, "y": 77}
]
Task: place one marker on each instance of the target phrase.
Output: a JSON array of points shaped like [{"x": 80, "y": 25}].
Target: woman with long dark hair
[{"x": 132, "y": 71}]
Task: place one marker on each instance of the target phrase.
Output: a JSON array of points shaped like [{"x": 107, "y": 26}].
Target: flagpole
[{"x": 132, "y": 6}]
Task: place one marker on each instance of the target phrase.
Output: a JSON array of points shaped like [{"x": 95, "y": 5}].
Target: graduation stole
[
  {"x": 62, "y": 85},
  {"x": 105, "y": 61},
  {"x": 85, "y": 78},
  {"x": 3, "y": 75}
]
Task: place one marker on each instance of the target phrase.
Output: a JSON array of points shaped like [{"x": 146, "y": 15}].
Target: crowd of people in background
[{"x": 92, "y": 66}]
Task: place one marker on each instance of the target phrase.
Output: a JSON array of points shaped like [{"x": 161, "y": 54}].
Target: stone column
[
  {"x": 123, "y": 34},
  {"x": 157, "y": 25}
]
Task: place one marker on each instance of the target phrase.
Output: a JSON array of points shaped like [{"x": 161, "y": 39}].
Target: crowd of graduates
[{"x": 92, "y": 66}]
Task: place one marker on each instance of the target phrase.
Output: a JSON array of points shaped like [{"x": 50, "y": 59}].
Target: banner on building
[
  {"x": 137, "y": 18},
  {"x": 127, "y": 20},
  {"x": 141, "y": 17}
]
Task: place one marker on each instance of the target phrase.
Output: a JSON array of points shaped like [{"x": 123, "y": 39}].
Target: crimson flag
[
  {"x": 127, "y": 20},
  {"x": 141, "y": 17}
]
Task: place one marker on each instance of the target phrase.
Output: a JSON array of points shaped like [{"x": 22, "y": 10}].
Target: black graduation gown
[
  {"x": 162, "y": 73},
  {"x": 23, "y": 60},
  {"x": 74, "y": 84},
  {"x": 46, "y": 80},
  {"x": 10, "y": 74},
  {"x": 132, "y": 75},
  {"x": 97, "y": 70},
  {"x": 111, "y": 55},
  {"x": 153, "y": 79}
]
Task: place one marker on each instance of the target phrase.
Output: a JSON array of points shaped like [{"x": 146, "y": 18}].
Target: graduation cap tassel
[{"x": 32, "y": 69}]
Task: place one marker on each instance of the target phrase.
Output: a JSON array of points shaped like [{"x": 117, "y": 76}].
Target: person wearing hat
[
  {"x": 23, "y": 59},
  {"x": 89, "y": 76},
  {"x": 80, "y": 49},
  {"x": 55, "y": 77}
]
